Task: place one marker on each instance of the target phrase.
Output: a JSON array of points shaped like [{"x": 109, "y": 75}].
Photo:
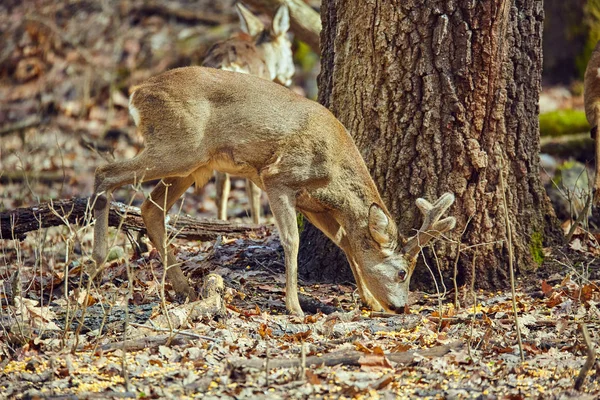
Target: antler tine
[{"x": 432, "y": 226}]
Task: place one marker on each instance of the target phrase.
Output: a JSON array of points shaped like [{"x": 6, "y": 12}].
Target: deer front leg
[
  {"x": 364, "y": 293},
  {"x": 283, "y": 205},
  {"x": 332, "y": 229},
  {"x": 253, "y": 193},
  {"x": 223, "y": 184}
]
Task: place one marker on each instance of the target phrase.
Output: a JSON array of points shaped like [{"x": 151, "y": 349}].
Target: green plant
[
  {"x": 536, "y": 247},
  {"x": 563, "y": 122}
]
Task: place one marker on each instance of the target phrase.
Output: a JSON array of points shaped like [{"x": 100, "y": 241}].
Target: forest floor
[
  {"x": 64, "y": 74},
  {"x": 48, "y": 353}
]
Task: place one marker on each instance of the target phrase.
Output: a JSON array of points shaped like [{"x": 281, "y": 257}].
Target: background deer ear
[
  {"x": 281, "y": 21},
  {"x": 378, "y": 226},
  {"x": 249, "y": 23}
]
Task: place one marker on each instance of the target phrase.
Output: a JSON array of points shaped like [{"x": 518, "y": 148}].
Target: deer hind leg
[
  {"x": 223, "y": 184},
  {"x": 283, "y": 205},
  {"x": 330, "y": 227},
  {"x": 111, "y": 176},
  {"x": 253, "y": 192},
  {"x": 154, "y": 210}
]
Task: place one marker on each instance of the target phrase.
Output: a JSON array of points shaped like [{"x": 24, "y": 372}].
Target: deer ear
[
  {"x": 378, "y": 226},
  {"x": 281, "y": 21},
  {"x": 249, "y": 23}
]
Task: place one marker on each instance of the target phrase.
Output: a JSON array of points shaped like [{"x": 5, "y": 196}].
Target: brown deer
[
  {"x": 196, "y": 120},
  {"x": 591, "y": 96},
  {"x": 261, "y": 52}
]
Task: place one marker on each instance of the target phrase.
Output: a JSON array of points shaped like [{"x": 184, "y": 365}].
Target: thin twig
[
  {"x": 455, "y": 272},
  {"x": 437, "y": 288},
  {"x": 474, "y": 294},
  {"x": 510, "y": 259}
]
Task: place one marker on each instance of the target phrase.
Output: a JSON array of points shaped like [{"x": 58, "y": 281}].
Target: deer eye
[{"x": 402, "y": 275}]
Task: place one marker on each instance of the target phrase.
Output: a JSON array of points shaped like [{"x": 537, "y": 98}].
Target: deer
[
  {"x": 258, "y": 51},
  {"x": 591, "y": 97},
  {"x": 197, "y": 120}
]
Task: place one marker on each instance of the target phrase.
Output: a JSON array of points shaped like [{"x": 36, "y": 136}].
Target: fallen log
[
  {"x": 149, "y": 342},
  {"x": 32, "y": 120},
  {"x": 28, "y": 176},
  {"x": 577, "y": 146},
  {"x": 16, "y": 223},
  {"x": 348, "y": 357}
]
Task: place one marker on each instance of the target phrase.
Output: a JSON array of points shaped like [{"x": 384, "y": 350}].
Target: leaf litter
[{"x": 71, "y": 67}]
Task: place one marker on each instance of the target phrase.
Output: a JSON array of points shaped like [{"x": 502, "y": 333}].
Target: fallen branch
[
  {"x": 146, "y": 343},
  {"x": 578, "y": 146},
  {"x": 16, "y": 223},
  {"x": 210, "y": 306},
  {"x": 338, "y": 326},
  {"x": 32, "y": 120},
  {"x": 305, "y": 22},
  {"x": 350, "y": 357},
  {"x": 183, "y": 333},
  {"x": 38, "y": 176}
]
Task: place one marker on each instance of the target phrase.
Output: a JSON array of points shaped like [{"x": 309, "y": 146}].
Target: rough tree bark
[{"x": 437, "y": 95}]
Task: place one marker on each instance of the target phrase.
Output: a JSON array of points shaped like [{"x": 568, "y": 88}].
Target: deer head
[
  {"x": 388, "y": 266},
  {"x": 276, "y": 48}
]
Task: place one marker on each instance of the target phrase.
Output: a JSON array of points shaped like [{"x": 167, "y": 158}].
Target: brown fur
[
  {"x": 196, "y": 120},
  {"x": 257, "y": 51}
]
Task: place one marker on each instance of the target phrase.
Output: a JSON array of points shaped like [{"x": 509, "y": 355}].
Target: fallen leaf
[
  {"x": 370, "y": 361},
  {"x": 546, "y": 289},
  {"x": 312, "y": 378}
]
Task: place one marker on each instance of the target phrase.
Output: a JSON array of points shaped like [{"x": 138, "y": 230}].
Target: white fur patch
[
  {"x": 134, "y": 111},
  {"x": 598, "y": 73}
]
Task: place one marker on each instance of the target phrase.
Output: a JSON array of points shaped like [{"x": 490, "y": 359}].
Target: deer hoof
[
  {"x": 297, "y": 311},
  {"x": 185, "y": 293}
]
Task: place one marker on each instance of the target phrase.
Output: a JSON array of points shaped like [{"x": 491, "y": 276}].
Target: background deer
[
  {"x": 261, "y": 52},
  {"x": 196, "y": 120},
  {"x": 591, "y": 96}
]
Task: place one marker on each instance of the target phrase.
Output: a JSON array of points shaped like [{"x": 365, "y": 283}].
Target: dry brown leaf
[
  {"x": 312, "y": 378},
  {"x": 371, "y": 361},
  {"x": 546, "y": 288},
  {"x": 264, "y": 331}
]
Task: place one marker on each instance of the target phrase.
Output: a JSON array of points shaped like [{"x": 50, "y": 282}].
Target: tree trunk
[{"x": 438, "y": 95}]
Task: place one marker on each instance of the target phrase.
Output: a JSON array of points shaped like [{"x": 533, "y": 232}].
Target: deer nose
[{"x": 398, "y": 309}]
